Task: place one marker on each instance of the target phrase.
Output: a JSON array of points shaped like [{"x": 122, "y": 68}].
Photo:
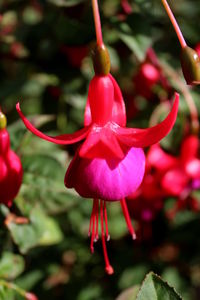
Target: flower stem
[
  {"x": 14, "y": 287},
  {"x": 97, "y": 22},
  {"x": 174, "y": 23}
]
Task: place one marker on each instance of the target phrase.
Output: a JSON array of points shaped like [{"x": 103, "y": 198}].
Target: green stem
[{"x": 14, "y": 287}]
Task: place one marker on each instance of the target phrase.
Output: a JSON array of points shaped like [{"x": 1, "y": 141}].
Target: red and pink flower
[{"x": 109, "y": 165}]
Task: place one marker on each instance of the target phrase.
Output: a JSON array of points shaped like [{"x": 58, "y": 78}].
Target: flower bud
[
  {"x": 4, "y": 136},
  {"x": 190, "y": 62},
  {"x": 10, "y": 167},
  {"x": 31, "y": 296},
  {"x": 3, "y": 121},
  {"x": 101, "y": 60}
]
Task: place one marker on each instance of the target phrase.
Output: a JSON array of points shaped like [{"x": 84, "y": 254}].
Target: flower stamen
[
  {"x": 97, "y": 219},
  {"x": 91, "y": 219},
  {"x": 127, "y": 218},
  {"x": 106, "y": 221},
  {"x": 91, "y": 231}
]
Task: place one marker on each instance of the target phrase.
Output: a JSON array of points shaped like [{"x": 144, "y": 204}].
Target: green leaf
[
  {"x": 43, "y": 165},
  {"x": 28, "y": 280},
  {"x": 43, "y": 183},
  {"x": 6, "y": 294},
  {"x": 41, "y": 231},
  {"x": 136, "y": 35},
  {"x": 11, "y": 265},
  {"x": 133, "y": 275},
  {"x": 129, "y": 294},
  {"x": 154, "y": 287},
  {"x": 19, "y": 135},
  {"x": 138, "y": 45}
]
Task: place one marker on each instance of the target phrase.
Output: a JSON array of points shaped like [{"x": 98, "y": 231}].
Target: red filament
[
  {"x": 93, "y": 231},
  {"x": 127, "y": 218},
  {"x": 97, "y": 220},
  {"x": 106, "y": 221},
  {"x": 94, "y": 227}
]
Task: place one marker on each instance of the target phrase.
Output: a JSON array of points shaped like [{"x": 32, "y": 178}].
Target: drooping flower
[
  {"x": 109, "y": 165},
  {"x": 10, "y": 166}
]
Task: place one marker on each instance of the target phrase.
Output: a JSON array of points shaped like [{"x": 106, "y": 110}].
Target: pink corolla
[{"x": 10, "y": 166}]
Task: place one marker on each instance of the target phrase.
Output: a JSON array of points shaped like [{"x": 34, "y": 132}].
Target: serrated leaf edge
[{"x": 159, "y": 277}]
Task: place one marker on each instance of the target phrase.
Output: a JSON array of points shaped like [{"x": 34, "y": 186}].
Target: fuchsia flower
[
  {"x": 10, "y": 167},
  {"x": 178, "y": 176},
  {"x": 166, "y": 176},
  {"x": 109, "y": 165}
]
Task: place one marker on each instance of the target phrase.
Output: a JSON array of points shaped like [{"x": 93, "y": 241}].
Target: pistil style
[{"x": 108, "y": 268}]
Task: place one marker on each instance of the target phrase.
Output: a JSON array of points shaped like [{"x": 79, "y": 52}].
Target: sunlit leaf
[
  {"x": 11, "y": 265},
  {"x": 154, "y": 287},
  {"x": 42, "y": 230}
]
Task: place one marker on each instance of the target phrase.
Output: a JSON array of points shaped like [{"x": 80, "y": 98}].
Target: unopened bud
[
  {"x": 101, "y": 60},
  {"x": 3, "y": 121},
  {"x": 190, "y": 62}
]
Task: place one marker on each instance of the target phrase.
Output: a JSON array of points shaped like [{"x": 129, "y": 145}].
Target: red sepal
[
  {"x": 134, "y": 137},
  {"x": 101, "y": 142},
  {"x": 64, "y": 139}
]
